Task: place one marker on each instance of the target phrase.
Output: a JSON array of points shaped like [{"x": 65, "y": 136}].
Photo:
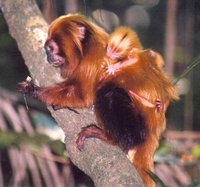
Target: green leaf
[
  {"x": 192, "y": 63},
  {"x": 163, "y": 148},
  {"x": 196, "y": 151},
  {"x": 156, "y": 178},
  {"x": 22, "y": 138},
  {"x": 6, "y": 139},
  {"x": 57, "y": 147},
  {"x": 194, "y": 182}
]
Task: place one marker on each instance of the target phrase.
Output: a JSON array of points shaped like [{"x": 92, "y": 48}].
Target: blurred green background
[{"x": 170, "y": 27}]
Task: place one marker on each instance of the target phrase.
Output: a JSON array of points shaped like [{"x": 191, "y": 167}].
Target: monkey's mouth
[{"x": 56, "y": 63}]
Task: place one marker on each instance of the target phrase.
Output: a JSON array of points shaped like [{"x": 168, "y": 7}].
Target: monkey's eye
[{"x": 50, "y": 48}]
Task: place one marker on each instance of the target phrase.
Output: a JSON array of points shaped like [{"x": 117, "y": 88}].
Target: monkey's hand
[
  {"x": 28, "y": 88},
  {"x": 160, "y": 106},
  {"x": 112, "y": 68}
]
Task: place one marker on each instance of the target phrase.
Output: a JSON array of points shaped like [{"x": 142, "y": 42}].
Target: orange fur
[
  {"x": 74, "y": 91},
  {"x": 140, "y": 73},
  {"x": 90, "y": 59},
  {"x": 120, "y": 45}
]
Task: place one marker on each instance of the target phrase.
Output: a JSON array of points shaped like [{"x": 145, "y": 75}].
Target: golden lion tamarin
[{"x": 126, "y": 84}]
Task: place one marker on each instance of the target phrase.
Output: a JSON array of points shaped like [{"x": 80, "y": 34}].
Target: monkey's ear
[
  {"x": 82, "y": 31},
  {"x": 158, "y": 58}
]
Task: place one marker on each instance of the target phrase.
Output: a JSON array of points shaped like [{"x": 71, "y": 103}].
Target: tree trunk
[
  {"x": 170, "y": 35},
  {"x": 107, "y": 165}
]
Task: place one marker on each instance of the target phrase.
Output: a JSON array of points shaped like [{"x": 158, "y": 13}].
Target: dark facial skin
[{"x": 53, "y": 56}]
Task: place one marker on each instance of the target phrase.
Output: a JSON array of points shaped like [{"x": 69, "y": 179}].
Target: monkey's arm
[{"x": 58, "y": 95}]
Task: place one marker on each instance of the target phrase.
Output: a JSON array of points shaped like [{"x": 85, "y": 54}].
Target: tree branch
[{"x": 107, "y": 165}]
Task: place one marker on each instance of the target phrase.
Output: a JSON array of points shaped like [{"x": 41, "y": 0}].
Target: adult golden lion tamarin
[{"x": 126, "y": 84}]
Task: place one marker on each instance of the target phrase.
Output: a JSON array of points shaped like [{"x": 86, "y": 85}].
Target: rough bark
[{"x": 107, "y": 165}]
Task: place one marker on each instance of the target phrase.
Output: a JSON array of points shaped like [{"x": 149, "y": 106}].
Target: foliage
[
  {"x": 196, "y": 151},
  {"x": 194, "y": 182},
  {"x": 156, "y": 178},
  {"x": 27, "y": 147},
  {"x": 191, "y": 64}
]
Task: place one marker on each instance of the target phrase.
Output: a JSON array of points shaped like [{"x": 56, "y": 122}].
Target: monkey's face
[
  {"x": 63, "y": 48},
  {"x": 69, "y": 37},
  {"x": 54, "y": 55}
]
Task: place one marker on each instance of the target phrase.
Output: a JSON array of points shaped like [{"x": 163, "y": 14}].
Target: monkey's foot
[{"x": 88, "y": 132}]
